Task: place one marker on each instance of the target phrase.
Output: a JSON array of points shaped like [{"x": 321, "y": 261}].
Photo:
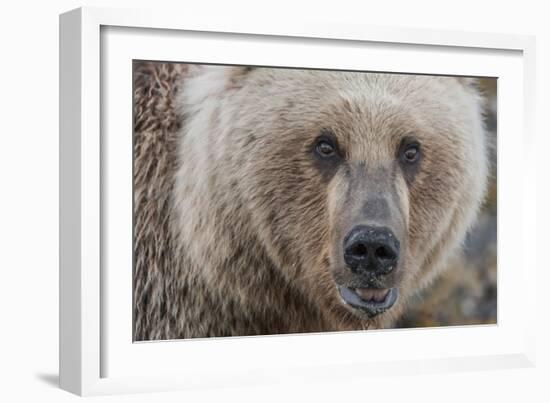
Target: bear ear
[
  {"x": 204, "y": 81},
  {"x": 236, "y": 74},
  {"x": 227, "y": 71},
  {"x": 470, "y": 83}
]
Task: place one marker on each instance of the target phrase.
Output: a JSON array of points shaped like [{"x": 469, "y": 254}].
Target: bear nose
[{"x": 371, "y": 249}]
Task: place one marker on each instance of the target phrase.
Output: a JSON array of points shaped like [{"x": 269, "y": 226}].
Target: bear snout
[{"x": 371, "y": 250}]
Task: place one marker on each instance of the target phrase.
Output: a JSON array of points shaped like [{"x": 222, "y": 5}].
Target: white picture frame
[{"x": 96, "y": 355}]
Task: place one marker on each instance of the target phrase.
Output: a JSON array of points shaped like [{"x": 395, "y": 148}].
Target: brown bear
[{"x": 284, "y": 201}]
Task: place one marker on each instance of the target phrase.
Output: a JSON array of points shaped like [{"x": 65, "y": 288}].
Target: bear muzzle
[{"x": 370, "y": 301}]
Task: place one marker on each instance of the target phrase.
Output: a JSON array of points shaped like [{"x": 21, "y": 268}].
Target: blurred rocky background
[{"x": 467, "y": 292}]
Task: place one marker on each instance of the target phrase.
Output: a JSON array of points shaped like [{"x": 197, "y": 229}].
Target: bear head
[{"x": 357, "y": 186}]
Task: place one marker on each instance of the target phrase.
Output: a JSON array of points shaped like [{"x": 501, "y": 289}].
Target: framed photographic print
[{"x": 235, "y": 200}]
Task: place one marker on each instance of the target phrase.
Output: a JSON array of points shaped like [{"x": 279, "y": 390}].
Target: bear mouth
[{"x": 372, "y": 301}]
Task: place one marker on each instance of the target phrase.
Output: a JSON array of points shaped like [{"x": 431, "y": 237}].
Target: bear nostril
[
  {"x": 359, "y": 250},
  {"x": 384, "y": 253}
]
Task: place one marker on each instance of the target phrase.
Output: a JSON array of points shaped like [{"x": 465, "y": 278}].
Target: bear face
[{"x": 356, "y": 187}]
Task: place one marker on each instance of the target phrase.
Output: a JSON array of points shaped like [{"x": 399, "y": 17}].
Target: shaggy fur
[
  {"x": 238, "y": 229},
  {"x": 155, "y": 129}
]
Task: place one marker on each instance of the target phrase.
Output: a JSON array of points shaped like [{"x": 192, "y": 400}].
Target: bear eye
[
  {"x": 325, "y": 148},
  {"x": 410, "y": 153}
]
